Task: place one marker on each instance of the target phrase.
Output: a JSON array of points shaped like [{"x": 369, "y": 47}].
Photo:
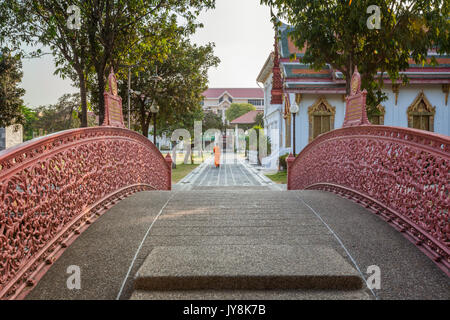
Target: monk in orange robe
[{"x": 216, "y": 151}]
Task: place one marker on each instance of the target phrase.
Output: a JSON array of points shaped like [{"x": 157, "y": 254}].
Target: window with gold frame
[
  {"x": 321, "y": 118},
  {"x": 378, "y": 118}
]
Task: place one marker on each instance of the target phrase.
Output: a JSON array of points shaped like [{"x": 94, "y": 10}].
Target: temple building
[
  {"x": 218, "y": 100},
  {"x": 320, "y": 95}
]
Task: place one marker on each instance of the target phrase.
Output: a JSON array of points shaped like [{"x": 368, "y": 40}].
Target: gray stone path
[{"x": 233, "y": 171}]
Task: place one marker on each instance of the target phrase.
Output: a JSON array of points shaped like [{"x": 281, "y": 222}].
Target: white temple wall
[
  {"x": 396, "y": 115},
  {"x": 302, "y": 120}
]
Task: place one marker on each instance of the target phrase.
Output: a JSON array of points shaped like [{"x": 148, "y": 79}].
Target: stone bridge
[{"x": 359, "y": 200}]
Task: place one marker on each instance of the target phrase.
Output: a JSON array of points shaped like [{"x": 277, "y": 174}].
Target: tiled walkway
[{"x": 233, "y": 171}]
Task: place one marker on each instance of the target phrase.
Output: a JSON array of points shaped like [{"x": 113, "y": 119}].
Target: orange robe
[{"x": 216, "y": 156}]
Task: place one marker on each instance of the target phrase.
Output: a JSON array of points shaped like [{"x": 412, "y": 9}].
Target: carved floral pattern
[{"x": 402, "y": 174}]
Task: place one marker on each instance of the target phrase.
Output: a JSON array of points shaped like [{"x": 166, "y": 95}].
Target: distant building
[
  {"x": 11, "y": 136},
  {"x": 245, "y": 120},
  {"x": 218, "y": 100},
  {"x": 320, "y": 95}
]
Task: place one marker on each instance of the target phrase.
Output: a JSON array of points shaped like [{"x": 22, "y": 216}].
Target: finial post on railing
[
  {"x": 289, "y": 160},
  {"x": 355, "y": 109},
  {"x": 168, "y": 159}
]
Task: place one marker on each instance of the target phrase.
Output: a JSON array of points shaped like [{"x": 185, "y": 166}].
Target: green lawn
[
  {"x": 197, "y": 158},
  {"x": 279, "y": 177},
  {"x": 182, "y": 171}
]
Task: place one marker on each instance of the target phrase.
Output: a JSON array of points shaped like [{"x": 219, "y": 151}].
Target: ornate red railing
[
  {"x": 401, "y": 174},
  {"x": 52, "y": 188}
]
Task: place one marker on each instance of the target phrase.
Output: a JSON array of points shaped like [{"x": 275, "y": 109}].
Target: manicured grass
[
  {"x": 182, "y": 171},
  {"x": 279, "y": 177}
]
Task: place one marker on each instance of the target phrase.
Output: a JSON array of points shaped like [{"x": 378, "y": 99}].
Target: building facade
[
  {"x": 320, "y": 95},
  {"x": 218, "y": 100}
]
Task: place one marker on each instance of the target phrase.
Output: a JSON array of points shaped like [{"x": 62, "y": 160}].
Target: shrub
[{"x": 282, "y": 164}]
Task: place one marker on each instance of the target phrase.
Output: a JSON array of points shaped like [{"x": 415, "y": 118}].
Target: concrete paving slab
[
  {"x": 322, "y": 239},
  {"x": 406, "y": 272},
  {"x": 246, "y": 267},
  {"x": 238, "y": 230},
  {"x": 103, "y": 252},
  {"x": 252, "y": 295},
  {"x": 238, "y": 222}
]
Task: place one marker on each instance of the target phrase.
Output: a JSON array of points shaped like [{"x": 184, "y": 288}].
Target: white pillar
[
  {"x": 236, "y": 134},
  {"x": 223, "y": 115}
]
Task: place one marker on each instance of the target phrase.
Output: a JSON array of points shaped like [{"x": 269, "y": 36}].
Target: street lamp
[
  {"x": 154, "y": 109},
  {"x": 129, "y": 66},
  {"x": 294, "y": 110},
  {"x": 155, "y": 78}
]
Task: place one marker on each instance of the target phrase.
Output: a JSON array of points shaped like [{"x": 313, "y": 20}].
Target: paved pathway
[
  {"x": 201, "y": 213},
  {"x": 233, "y": 171}
]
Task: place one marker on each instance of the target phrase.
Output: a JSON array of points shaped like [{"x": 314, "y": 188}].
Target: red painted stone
[
  {"x": 277, "y": 81},
  {"x": 50, "y": 186},
  {"x": 113, "y": 104},
  {"x": 355, "y": 111}
]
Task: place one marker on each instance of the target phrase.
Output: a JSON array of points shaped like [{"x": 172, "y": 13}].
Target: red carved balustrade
[
  {"x": 52, "y": 188},
  {"x": 399, "y": 173}
]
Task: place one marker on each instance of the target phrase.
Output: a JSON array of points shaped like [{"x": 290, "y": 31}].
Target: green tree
[
  {"x": 10, "y": 93},
  {"x": 337, "y": 34},
  {"x": 259, "y": 119},
  {"x": 184, "y": 76},
  {"x": 212, "y": 121},
  {"x": 238, "y": 109},
  {"x": 61, "y": 116},
  {"x": 30, "y": 117}
]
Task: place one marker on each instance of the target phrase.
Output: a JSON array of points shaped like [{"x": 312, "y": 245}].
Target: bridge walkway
[{"x": 195, "y": 215}]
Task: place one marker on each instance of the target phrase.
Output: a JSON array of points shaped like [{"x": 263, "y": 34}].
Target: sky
[{"x": 240, "y": 29}]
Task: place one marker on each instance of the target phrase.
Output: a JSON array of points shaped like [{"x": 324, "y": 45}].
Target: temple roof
[
  {"x": 300, "y": 77},
  {"x": 247, "y": 118}
]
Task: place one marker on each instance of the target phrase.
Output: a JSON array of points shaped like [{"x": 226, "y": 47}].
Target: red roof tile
[
  {"x": 247, "y": 118},
  {"x": 256, "y": 93}
]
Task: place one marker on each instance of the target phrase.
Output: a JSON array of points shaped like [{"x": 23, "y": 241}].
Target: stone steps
[{"x": 227, "y": 270}]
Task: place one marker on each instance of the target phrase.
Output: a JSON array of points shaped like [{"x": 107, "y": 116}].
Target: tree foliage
[
  {"x": 259, "y": 119},
  {"x": 336, "y": 33},
  {"x": 184, "y": 76},
  {"x": 212, "y": 120},
  {"x": 30, "y": 117},
  {"x": 63, "y": 115},
  {"x": 10, "y": 92},
  {"x": 238, "y": 109}
]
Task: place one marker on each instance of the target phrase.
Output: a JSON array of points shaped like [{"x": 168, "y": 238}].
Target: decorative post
[
  {"x": 168, "y": 159},
  {"x": 289, "y": 161},
  {"x": 355, "y": 112},
  {"x": 154, "y": 110},
  {"x": 113, "y": 104},
  {"x": 277, "y": 82},
  {"x": 294, "y": 109}
]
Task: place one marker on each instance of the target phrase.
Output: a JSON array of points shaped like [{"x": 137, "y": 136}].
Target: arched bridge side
[
  {"x": 53, "y": 187},
  {"x": 401, "y": 174}
]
